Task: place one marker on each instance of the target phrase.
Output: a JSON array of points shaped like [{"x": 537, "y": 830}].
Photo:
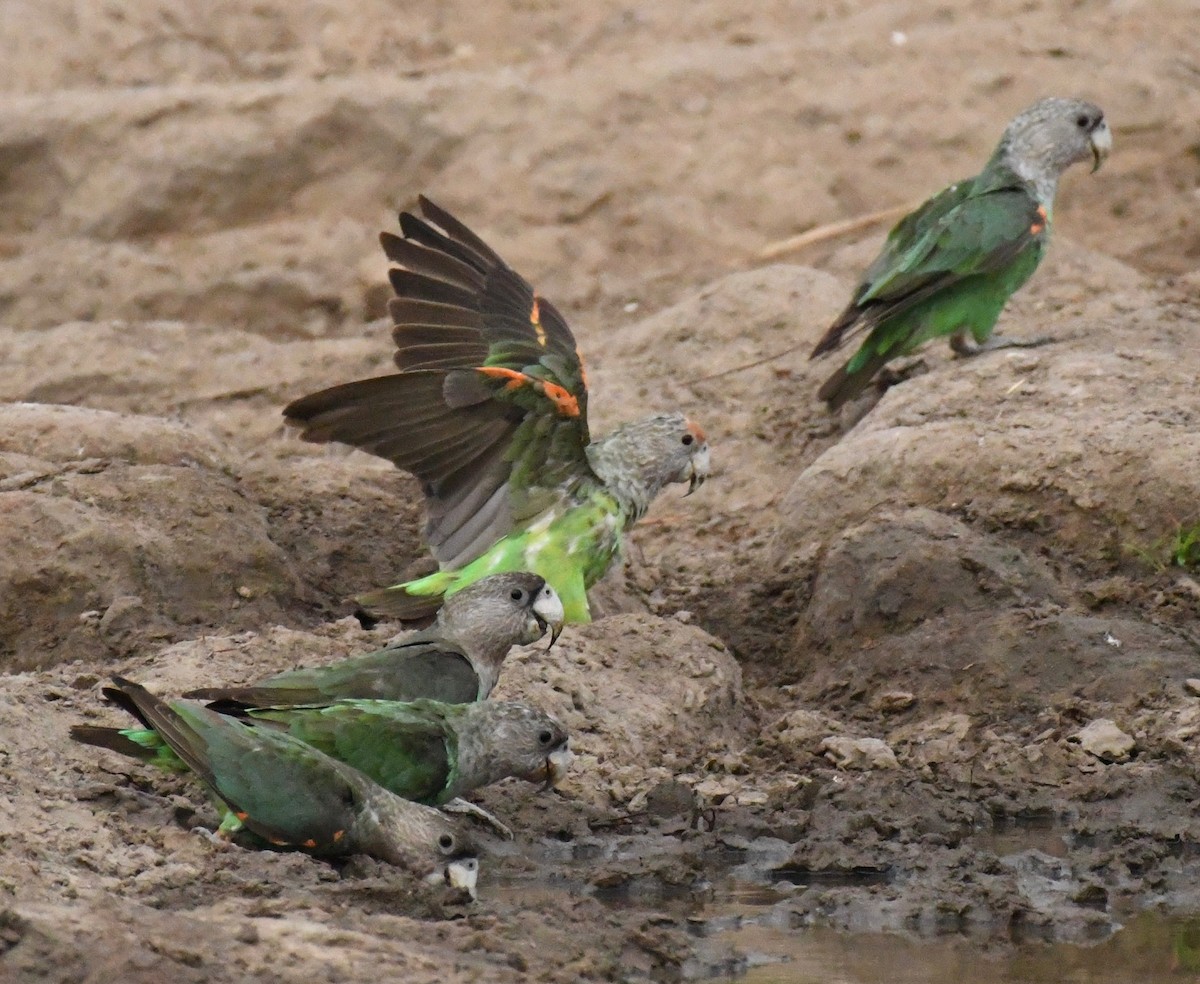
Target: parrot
[
  {"x": 423, "y": 750},
  {"x": 489, "y": 412},
  {"x": 291, "y": 795},
  {"x": 949, "y": 267},
  {"x": 457, "y": 659}
]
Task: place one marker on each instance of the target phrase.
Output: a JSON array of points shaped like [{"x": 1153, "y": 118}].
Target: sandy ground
[{"x": 865, "y": 642}]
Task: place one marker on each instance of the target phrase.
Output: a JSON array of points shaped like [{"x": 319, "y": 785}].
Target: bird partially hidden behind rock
[
  {"x": 290, "y": 795},
  {"x": 489, "y": 411},
  {"x": 455, "y": 660},
  {"x": 948, "y": 268}
]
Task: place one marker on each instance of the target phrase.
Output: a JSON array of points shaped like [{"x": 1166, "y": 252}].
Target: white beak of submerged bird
[
  {"x": 1101, "y": 141},
  {"x": 557, "y": 764},
  {"x": 548, "y": 610},
  {"x": 462, "y": 875}
]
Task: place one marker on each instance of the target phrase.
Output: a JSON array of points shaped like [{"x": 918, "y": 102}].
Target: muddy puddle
[
  {"x": 1149, "y": 948},
  {"x": 750, "y": 915}
]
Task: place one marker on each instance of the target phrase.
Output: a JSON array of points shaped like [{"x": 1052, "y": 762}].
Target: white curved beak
[
  {"x": 697, "y": 470},
  {"x": 1101, "y": 141},
  {"x": 557, "y": 764},
  {"x": 548, "y": 609},
  {"x": 462, "y": 875}
]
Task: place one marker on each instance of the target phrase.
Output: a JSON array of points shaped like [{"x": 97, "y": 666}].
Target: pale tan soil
[{"x": 189, "y": 205}]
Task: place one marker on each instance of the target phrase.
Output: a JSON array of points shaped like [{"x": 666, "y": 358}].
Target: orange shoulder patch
[
  {"x": 582, "y": 367},
  {"x": 535, "y": 319},
  {"x": 515, "y": 379},
  {"x": 1040, "y": 223},
  {"x": 563, "y": 401}
]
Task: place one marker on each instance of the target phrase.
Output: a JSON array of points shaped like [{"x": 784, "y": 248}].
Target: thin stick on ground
[
  {"x": 792, "y": 244},
  {"x": 805, "y": 239}
]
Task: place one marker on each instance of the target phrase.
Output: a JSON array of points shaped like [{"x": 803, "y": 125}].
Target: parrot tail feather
[
  {"x": 396, "y": 602},
  {"x": 843, "y": 386},
  {"x": 112, "y": 739}
]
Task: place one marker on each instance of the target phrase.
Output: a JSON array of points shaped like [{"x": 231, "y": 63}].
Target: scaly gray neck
[
  {"x": 634, "y": 484},
  {"x": 487, "y": 648},
  {"x": 1043, "y": 181},
  {"x": 480, "y": 760}
]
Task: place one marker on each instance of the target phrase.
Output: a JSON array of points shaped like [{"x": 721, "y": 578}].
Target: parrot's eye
[
  {"x": 544, "y": 737},
  {"x": 446, "y": 842},
  {"x": 1083, "y": 121},
  {"x": 688, "y": 440},
  {"x": 517, "y": 594}
]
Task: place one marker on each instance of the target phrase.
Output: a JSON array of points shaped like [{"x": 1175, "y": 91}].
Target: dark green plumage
[
  {"x": 423, "y": 750},
  {"x": 948, "y": 268},
  {"x": 284, "y": 791},
  {"x": 455, "y": 660}
]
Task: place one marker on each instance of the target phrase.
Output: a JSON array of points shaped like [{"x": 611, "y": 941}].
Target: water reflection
[{"x": 1150, "y": 949}]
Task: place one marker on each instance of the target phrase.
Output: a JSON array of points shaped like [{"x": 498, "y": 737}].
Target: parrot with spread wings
[{"x": 489, "y": 412}]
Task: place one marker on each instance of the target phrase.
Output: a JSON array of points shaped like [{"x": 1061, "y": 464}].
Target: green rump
[{"x": 571, "y": 547}]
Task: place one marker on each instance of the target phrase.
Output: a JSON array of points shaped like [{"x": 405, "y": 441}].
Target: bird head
[
  {"x": 520, "y": 740},
  {"x": 636, "y": 460},
  {"x": 514, "y": 607},
  {"x": 1055, "y": 133},
  {"x": 457, "y": 864}
]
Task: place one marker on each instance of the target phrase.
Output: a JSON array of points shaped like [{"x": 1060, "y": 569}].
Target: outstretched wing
[
  {"x": 490, "y": 408},
  {"x": 958, "y": 233}
]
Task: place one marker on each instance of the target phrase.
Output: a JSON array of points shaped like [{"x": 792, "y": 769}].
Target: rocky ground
[{"x": 865, "y": 646}]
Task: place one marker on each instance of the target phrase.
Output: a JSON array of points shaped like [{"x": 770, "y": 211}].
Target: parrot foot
[
  {"x": 460, "y": 805},
  {"x": 963, "y": 345},
  {"x": 217, "y": 838}
]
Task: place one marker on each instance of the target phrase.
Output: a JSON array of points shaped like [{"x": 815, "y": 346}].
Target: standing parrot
[
  {"x": 489, "y": 411},
  {"x": 457, "y": 659},
  {"x": 289, "y": 794},
  {"x": 423, "y": 750},
  {"x": 949, "y": 267}
]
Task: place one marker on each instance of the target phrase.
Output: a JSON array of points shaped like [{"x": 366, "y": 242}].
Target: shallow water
[
  {"x": 754, "y": 944},
  {"x": 1146, "y": 950},
  {"x": 745, "y": 930}
]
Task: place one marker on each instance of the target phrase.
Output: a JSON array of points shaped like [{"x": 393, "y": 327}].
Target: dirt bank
[{"x": 868, "y": 651}]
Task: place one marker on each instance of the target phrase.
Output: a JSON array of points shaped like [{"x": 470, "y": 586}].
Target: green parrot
[
  {"x": 289, "y": 794},
  {"x": 456, "y": 660},
  {"x": 949, "y": 267},
  {"x": 423, "y": 750},
  {"x": 489, "y": 411}
]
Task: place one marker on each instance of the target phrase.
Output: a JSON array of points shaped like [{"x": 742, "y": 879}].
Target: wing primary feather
[
  {"x": 432, "y": 262},
  {"x": 457, "y": 231},
  {"x": 422, "y": 288},
  {"x": 406, "y": 311},
  {"x": 417, "y": 229}
]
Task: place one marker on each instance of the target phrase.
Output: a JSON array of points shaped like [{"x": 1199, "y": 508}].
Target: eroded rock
[
  {"x": 1103, "y": 739},
  {"x": 859, "y": 753}
]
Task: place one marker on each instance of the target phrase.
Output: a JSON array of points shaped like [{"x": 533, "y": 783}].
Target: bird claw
[
  {"x": 964, "y": 346},
  {"x": 461, "y": 806},
  {"x": 217, "y": 838}
]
